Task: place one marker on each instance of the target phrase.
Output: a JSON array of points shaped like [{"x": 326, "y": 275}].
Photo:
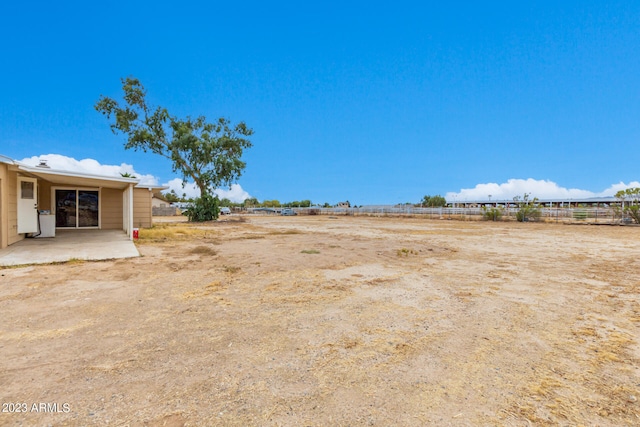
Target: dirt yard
[{"x": 320, "y": 321}]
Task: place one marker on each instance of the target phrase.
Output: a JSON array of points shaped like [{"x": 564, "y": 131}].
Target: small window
[{"x": 26, "y": 190}]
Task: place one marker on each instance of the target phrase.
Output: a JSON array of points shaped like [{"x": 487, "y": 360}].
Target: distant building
[{"x": 158, "y": 201}]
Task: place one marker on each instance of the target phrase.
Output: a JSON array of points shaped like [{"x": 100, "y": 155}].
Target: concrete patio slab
[{"x": 70, "y": 244}]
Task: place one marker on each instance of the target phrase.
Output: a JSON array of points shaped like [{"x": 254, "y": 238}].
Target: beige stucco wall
[
  {"x": 12, "y": 203},
  {"x": 3, "y": 206},
  {"x": 8, "y": 207},
  {"x": 141, "y": 208},
  {"x": 111, "y": 207},
  {"x": 44, "y": 195}
]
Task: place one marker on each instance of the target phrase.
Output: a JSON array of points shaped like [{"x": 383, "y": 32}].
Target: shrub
[
  {"x": 580, "y": 215},
  {"x": 491, "y": 214},
  {"x": 528, "y": 209},
  {"x": 205, "y": 208},
  {"x": 630, "y": 199},
  {"x": 433, "y": 201}
]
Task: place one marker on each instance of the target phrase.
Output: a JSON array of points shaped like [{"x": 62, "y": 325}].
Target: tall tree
[
  {"x": 433, "y": 201},
  {"x": 208, "y": 153}
]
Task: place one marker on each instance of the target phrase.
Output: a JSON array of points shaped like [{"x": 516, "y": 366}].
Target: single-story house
[
  {"x": 158, "y": 201},
  {"x": 35, "y": 198}
]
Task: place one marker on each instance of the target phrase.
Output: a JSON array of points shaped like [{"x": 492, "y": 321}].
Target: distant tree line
[
  {"x": 426, "y": 202},
  {"x": 436, "y": 201},
  {"x": 252, "y": 202}
]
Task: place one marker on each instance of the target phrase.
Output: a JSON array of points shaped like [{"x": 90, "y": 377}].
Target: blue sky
[{"x": 371, "y": 102}]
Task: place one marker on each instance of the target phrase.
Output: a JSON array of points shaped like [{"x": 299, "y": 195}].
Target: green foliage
[
  {"x": 271, "y": 204},
  {"x": 172, "y": 197},
  {"x": 491, "y": 214},
  {"x": 254, "y": 203},
  {"x": 127, "y": 175},
  {"x": 251, "y": 202},
  {"x": 528, "y": 209},
  {"x": 634, "y": 212},
  {"x": 433, "y": 201},
  {"x": 630, "y": 199},
  {"x": 208, "y": 153},
  {"x": 298, "y": 204},
  {"x": 405, "y": 252},
  {"x": 205, "y": 208},
  {"x": 580, "y": 214},
  {"x": 632, "y": 194}
]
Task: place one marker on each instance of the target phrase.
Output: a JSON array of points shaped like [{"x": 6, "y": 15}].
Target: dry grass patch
[
  {"x": 165, "y": 232},
  {"x": 231, "y": 269},
  {"x": 209, "y": 289},
  {"x": 562, "y": 392},
  {"x": 203, "y": 250},
  {"x": 406, "y": 252},
  {"x": 284, "y": 232}
]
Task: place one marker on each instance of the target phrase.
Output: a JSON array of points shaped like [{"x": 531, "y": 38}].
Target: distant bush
[
  {"x": 580, "y": 215},
  {"x": 491, "y": 214},
  {"x": 433, "y": 201},
  {"x": 528, "y": 209},
  {"x": 630, "y": 199},
  {"x": 205, "y": 208}
]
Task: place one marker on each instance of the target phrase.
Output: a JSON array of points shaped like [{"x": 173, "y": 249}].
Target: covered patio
[{"x": 88, "y": 244}]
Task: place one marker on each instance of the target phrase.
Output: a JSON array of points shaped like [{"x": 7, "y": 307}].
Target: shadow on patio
[{"x": 70, "y": 244}]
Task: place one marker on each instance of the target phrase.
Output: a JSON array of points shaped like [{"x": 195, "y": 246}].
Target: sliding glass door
[
  {"x": 66, "y": 208},
  {"x": 77, "y": 208},
  {"x": 87, "y": 208}
]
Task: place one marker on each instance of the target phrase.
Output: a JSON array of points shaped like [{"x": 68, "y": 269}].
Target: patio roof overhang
[{"x": 77, "y": 179}]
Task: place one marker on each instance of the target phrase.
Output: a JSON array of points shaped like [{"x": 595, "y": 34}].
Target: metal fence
[{"x": 586, "y": 215}]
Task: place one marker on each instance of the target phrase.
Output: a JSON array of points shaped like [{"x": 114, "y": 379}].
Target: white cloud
[
  {"x": 235, "y": 193},
  {"x": 617, "y": 187},
  {"x": 89, "y": 166},
  {"x": 189, "y": 190},
  {"x": 542, "y": 189}
]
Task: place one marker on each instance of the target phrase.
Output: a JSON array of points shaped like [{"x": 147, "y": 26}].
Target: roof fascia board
[
  {"x": 37, "y": 171},
  {"x": 152, "y": 187}
]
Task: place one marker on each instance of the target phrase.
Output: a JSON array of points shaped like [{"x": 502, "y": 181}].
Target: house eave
[{"x": 60, "y": 177}]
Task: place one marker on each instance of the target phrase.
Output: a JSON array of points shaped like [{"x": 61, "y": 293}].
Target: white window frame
[{"x": 77, "y": 190}]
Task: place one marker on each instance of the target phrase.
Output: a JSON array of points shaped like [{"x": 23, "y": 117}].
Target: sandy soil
[{"x": 331, "y": 321}]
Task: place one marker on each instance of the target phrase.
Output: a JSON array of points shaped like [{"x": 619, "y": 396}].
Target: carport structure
[{"x": 35, "y": 198}]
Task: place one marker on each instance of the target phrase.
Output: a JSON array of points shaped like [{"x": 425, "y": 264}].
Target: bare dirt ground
[{"x": 316, "y": 321}]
